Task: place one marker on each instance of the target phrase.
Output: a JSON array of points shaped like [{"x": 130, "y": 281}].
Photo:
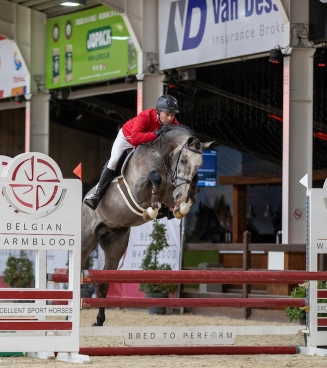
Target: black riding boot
[{"x": 93, "y": 199}]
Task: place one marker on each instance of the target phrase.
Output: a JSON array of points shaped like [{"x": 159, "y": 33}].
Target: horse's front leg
[
  {"x": 101, "y": 316},
  {"x": 152, "y": 212},
  {"x": 183, "y": 208}
]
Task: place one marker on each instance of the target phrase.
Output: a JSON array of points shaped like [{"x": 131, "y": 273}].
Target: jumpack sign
[{"x": 199, "y": 31}]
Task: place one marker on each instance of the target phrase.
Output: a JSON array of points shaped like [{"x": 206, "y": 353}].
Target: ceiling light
[
  {"x": 130, "y": 79},
  {"x": 276, "y": 117},
  {"x": 268, "y": 212},
  {"x": 320, "y": 57},
  {"x": 19, "y": 99},
  {"x": 73, "y": 3},
  {"x": 276, "y": 56},
  {"x": 250, "y": 214},
  {"x": 320, "y": 135}
]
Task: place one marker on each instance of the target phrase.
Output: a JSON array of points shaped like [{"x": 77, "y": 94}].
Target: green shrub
[
  {"x": 151, "y": 262},
  {"x": 19, "y": 271},
  {"x": 295, "y": 313}
]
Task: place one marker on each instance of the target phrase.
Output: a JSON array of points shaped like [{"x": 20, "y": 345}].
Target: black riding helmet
[{"x": 167, "y": 103}]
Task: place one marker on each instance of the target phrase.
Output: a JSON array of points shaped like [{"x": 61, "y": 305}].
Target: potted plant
[
  {"x": 299, "y": 313},
  {"x": 151, "y": 262},
  {"x": 295, "y": 313},
  {"x": 19, "y": 271}
]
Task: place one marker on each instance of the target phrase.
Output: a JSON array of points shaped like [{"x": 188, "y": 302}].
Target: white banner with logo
[
  {"x": 199, "y": 31},
  {"x": 14, "y": 75},
  {"x": 140, "y": 238}
]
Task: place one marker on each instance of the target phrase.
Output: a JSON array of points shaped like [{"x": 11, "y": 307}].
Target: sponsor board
[
  {"x": 186, "y": 335},
  {"x": 199, "y": 31},
  {"x": 14, "y": 74},
  {"x": 88, "y": 46}
]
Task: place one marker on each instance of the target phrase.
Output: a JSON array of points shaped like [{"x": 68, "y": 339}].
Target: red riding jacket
[{"x": 140, "y": 129}]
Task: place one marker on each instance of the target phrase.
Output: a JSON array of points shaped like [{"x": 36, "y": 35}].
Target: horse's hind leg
[
  {"x": 90, "y": 235},
  {"x": 114, "y": 246}
]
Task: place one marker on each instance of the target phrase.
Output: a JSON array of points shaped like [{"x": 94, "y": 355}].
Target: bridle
[
  {"x": 193, "y": 184},
  {"x": 174, "y": 175}
]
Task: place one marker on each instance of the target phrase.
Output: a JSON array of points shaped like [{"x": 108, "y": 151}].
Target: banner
[
  {"x": 139, "y": 240},
  {"x": 14, "y": 75},
  {"x": 88, "y": 46},
  {"x": 199, "y": 31}
]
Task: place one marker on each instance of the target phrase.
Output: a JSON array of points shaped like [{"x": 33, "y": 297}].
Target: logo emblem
[
  {"x": 32, "y": 183},
  {"x": 17, "y": 62},
  {"x": 179, "y": 26},
  {"x": 98, "y": 39}
]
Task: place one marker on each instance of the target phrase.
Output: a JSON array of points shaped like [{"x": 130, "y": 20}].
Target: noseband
[{"x": 174, "y": 175}]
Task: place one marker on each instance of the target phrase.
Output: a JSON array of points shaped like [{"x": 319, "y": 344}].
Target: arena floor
[{"x": 122, "y": 317}]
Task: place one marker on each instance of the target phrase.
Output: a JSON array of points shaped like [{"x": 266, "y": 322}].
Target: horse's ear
[
  {"x": 194, "y": 141},
  {"x": 206, "y": 145}
]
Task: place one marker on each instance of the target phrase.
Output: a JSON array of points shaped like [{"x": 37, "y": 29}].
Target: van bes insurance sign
[{"x": 199, "y": 31}]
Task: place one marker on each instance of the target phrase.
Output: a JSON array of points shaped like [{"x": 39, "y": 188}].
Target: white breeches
[{"x": 119, "y": 146}]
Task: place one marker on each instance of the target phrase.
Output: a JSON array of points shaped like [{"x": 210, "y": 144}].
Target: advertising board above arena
[
  {"x": 88, "y": 46},
  {"x": 200, "y": 31}
]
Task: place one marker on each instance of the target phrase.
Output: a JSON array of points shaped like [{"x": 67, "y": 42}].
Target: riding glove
[{"x": 161, "y": 130}]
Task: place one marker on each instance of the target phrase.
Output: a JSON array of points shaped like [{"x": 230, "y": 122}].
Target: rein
[{"x": 174, "y": 175}]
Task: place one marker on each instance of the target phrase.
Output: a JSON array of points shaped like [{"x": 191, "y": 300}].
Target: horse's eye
[{"x": 183, "y": 162}]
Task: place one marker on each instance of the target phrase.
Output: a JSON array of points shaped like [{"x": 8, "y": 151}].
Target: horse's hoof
[
  {"x": 178, "y": 215},
  {"x": 95, "y": 324}
]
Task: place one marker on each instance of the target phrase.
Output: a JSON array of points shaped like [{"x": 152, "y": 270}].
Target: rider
[{"x": 145, "y": 127}]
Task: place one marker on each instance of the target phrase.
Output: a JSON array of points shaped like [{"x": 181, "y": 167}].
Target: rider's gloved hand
[{"x": 163, "y": 129}]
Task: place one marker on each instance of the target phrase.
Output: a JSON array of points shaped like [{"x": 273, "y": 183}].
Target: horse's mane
[
  {"x": 182, "y": 128},
  {"x": 185, "y": 129},
  {"x": 177, "y": 129}
]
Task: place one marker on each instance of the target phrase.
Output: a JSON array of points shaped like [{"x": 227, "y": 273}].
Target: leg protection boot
[
  {"x": 165, "y": 212},
  {"x": 93, "y": 199}
]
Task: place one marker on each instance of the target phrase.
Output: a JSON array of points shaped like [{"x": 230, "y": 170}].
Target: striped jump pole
[
  {"x": 192, "y": 302},
  {"x": 194, "y": 277},
  {"x": 189, "y": 350},
  {"x": 32, "y": 294},
  {"x": 201, "y": 277},
  {"x": 62, "y": 296}
]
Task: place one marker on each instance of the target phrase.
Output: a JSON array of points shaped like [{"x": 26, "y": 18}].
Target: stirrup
[{"x": 92, "y": 201}]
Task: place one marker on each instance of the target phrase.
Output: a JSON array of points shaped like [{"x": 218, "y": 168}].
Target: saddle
[{"x": 122, "y": 162}]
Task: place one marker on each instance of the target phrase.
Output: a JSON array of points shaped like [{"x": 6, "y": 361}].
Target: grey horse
[{"x": 162, "y": 172}]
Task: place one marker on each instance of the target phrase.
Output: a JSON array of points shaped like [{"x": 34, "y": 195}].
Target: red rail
[
  {"x": 35, "y": 326},
  {"x": 190, "y": 350},
  {"x": 194, "y": 276},
  {"x": 22, "y": 294},
  {"x": 58, "y": 277},
  {"x": 202, "y": 277},
  {"x": 192, "y": 302}
]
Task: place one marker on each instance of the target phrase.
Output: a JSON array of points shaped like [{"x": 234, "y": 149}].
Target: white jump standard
[{"x": 41, "y": 211}]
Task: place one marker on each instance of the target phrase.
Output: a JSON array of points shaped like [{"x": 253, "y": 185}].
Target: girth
[{"x": 128, "y": 197}]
